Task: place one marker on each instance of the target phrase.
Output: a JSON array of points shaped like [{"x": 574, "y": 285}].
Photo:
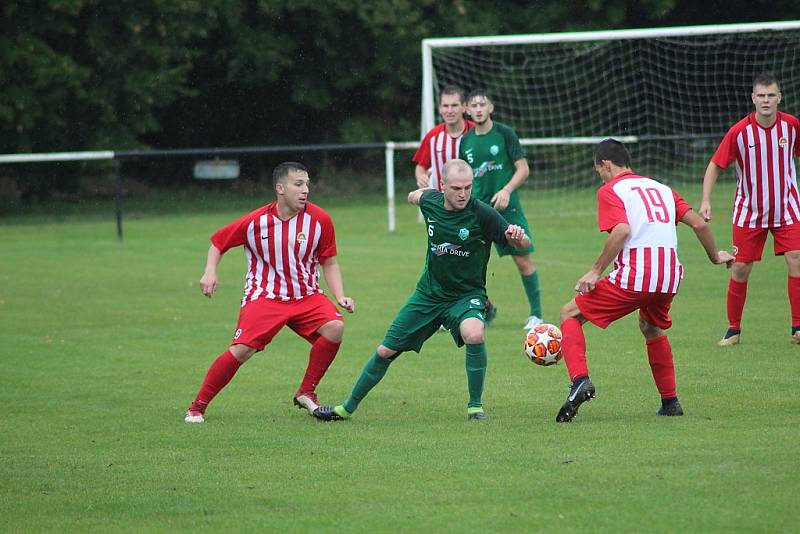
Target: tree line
[{"x": 89, "y": 74}]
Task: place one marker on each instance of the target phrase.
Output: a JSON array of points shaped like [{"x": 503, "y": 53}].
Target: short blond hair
[{"x": 455, "y": 165}]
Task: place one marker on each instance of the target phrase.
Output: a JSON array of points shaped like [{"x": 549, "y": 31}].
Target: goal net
[{"x": 670, "y": 94}]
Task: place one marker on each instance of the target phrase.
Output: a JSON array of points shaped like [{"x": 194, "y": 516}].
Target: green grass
[{"x": 105, "y": 344}]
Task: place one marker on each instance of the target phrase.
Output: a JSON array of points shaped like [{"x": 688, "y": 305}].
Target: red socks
[
  {"x": 794, "y": 299},
  {"x": 225, "y": 366},
  {"x": 573, "y": 348},
  {"x": 659, "y": 354},
  {"x": 217, "y": 377},
  {"x": 737, "y": 293},
  {"x": 323, "y": 351}
]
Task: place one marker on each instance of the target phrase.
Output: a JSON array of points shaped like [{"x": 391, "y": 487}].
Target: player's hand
[
  {"x": 587, "y": 282},
  {"x": 423, "y": 182},
  {"x": 705, "y": 210},
  {"x": 208, "y": 284},
  {"x": 515, "y": 234},
  {"x": 500, "y": 200},
  {"x": 347, "y": 303},
  {"x": 723, "y": 256}
]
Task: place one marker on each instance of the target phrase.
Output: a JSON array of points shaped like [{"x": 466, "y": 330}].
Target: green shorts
[
  {"x": 421, "y": 316},
  {"x": 514, "y": 215}
]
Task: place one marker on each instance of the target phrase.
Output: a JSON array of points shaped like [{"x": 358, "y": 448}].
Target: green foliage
[
  {"x": 78, "y": 75},
  {"x": 169, "y": 73},
  {"x": 104, "y": 345}
]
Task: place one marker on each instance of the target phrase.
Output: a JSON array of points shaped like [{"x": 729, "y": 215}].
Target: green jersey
[
  {"x": 491, "y": 156},
  {"x": 459, "y": 245}
]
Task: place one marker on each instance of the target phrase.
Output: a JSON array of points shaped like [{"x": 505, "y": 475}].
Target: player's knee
[
  {"x": 332, "y": 331},
  {"x": 385, "y": 352},
  {"x": 740, "y": 271},
  {"x": 241, "y": 352},
  {"x": 569, "y": 311},
  {"x": 473, "y": 338},
  {"x": 792, "y": 258},
  {"x": 472, "y": 332},
  {"x": 525, "y": 265},
  {"x": 649, "y": 331}
]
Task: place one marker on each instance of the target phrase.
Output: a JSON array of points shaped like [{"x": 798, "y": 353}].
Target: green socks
[
  {"x": 372, "y": 373},
  {"x": 476, "y": 372},
  {"x": 532, "y": 290},
  {"x": 376, "y": 368}
]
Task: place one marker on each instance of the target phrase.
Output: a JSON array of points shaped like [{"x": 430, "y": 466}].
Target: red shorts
[
  {"x": 606, "y": 303},
  {"x": 260, "y": 320},
  {"x": 748, "y": 243}
]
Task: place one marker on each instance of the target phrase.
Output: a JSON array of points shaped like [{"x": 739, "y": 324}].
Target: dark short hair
[
  {"x": 280, "y": 172},
  {"x": 480, "y": 91},
  {"x": 766, "y": 79},
  {"x": 613, "y": 151},
  {"x": 452, "y": 90}
]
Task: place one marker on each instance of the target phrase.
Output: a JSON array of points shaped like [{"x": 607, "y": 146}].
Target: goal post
[{"x": 669, "y": 93}]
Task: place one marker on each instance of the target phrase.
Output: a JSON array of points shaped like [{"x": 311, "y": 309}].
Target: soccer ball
[{"x": 543, "y": 344}]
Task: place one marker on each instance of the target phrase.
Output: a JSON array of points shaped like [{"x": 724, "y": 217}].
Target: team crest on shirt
[
  {"x": 463, "y": 234},
  {"x": 301, "y": 237},
  {"x": 782, "y": 142},
  {"x": 475, "y": 302},
  {"x": 494, "y": 150}
]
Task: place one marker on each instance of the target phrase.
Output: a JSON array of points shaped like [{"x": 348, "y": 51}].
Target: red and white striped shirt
[
  {"x": 282, "y": 256},
  {"x": 766, "y": 191},
  {"x": 437, "y": 148},
  {"x": 648, "y": 261}
]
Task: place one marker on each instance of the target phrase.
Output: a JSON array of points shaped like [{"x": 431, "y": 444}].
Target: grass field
[{"x": 104, "y": 345}]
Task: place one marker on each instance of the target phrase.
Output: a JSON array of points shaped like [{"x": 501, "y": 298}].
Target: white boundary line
[{"x": 57, "y": 156}]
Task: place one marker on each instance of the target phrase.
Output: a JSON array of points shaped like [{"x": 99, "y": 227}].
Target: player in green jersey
[
  {"x": 451, "y": 290},
  {"x": 499, "y": 167}
]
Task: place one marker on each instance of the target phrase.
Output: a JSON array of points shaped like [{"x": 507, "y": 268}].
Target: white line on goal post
[
  {"x": 548, "y": 141},
  {"x": 57, "y": 156},
  {"x": 391, "y": 146},
  {"x": 609, "y": 35}
]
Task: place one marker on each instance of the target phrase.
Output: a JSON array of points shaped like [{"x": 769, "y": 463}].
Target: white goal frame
[{"x": 428, "y": 110}]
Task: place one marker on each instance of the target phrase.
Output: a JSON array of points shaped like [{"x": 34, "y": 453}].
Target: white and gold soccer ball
[{"x": 543, "y": 344}]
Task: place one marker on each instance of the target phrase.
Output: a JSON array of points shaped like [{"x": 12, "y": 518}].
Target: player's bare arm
[
  {"x": 703, "y": 232},
  {"x": 333, "y": 277},
  {"x": 709, "y": 179},
  {"x": 415, "y": 196},
  {"x": 611, "y": 249},
  {"x": 521, "y": 172},
  {"x": 208, "y": 282},
  {"x": 517, "y": 238},
  {"x": 423, "y": 176}
]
